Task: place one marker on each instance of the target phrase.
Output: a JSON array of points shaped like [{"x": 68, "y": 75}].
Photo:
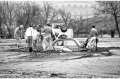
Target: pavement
[{"x": 102, "y": 67}]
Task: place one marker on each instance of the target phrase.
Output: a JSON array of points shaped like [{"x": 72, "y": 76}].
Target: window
[
  {"x": 71, "y": 44},
  {"x": 59, "y": 43},
  {"x": 57, "y": 26}
]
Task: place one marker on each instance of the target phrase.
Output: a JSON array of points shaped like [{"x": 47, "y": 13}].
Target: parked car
[{"x": 70, "y": 44}]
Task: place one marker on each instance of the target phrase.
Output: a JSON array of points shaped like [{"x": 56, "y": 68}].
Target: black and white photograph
[{"x": 59, "y": 39}]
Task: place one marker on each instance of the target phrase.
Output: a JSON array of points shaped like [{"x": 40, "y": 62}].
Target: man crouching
[{"x": 17, "y": 34}]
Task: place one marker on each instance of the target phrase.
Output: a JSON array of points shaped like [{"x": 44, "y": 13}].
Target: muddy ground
[{"x": 19, "y": 63}]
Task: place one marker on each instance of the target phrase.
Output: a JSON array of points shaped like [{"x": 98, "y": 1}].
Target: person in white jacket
[{"x": 31, "y": 35}]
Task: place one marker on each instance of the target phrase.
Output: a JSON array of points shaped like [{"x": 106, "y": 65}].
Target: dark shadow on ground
[
  {"x": 97, "y": 53},
  {"x": 38, "y": 54},
  {"x": 16, "y": 50},
  {"x": 102, "y": 49},
  {"x": 25, "y": 49}
]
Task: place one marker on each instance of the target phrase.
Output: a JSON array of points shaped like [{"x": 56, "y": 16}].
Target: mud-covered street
[{"x": 19, "y": 63}]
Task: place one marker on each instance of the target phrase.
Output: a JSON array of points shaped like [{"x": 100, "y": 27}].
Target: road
[{"x": 25, "y": 65}]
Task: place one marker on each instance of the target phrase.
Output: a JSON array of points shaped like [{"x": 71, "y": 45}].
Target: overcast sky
[{"x": 78, "y": 8}]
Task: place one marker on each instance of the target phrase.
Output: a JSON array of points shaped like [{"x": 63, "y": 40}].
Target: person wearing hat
[{"x": 17, "y": 34}]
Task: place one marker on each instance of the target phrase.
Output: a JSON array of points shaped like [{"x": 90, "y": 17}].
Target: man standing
[
  {"x": 92, "y": 40},
  {"x": 93, "y": 32},
  {"x": 112, "y": 31},
  {"x": 47, "y": 41},
  {"x": 17, "y": 34}
]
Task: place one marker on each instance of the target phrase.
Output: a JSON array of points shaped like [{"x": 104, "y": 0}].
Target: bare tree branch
[
  {"x": 66, "y": 16},
  {"x": 110, "y": 7}
]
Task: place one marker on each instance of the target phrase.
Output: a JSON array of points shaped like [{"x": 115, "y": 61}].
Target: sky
[{"x": 77, "y": 8}]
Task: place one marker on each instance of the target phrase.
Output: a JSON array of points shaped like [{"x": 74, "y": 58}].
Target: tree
[
  {"x": 19, "y": 13},
  {"x": 48, "y": 13},
  {"x": 66, "y": 16},
  {"x": 28, "y": 13},
  {"x": 32, "y": 12},
  {"x": 1, "y": 20},
  {"x": 8, "y": 15},
  {"x": 53, "y": 14},
  {"x": 110, "y": 7}
]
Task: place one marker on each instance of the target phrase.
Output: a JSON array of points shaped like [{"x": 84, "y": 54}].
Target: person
[
  {"x": 40, "y": 29},
  {"x": 17, "y": 34},
  {"x": 93, "y": 32},
  {"x": 93, "y": 39},
  {"x": 47, "y": 40},
  {"x": 28, "y": 36},
  {"x": 112, "y": 31},
  {"x": 31, "y": 35},
  {"x": 36, "y": 36},
  {"x": 40, "y": 37}
]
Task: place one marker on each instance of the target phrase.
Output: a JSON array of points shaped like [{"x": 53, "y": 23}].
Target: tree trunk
[
  {"x": 1, "y": 28},
  {"x": 1, "y": 31},
  {"x": 101, "y": 33},
  {"x": 27, "y": 21},
  {"x": 9, "y": 33},
  {"x": 116, "y": 22}
]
